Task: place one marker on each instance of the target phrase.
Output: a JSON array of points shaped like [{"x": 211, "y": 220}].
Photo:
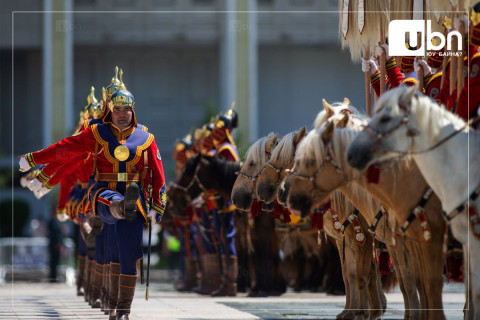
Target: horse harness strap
[
  {"x": 254, "y": 178},
  {"x": 419, "y": 208},
  {"x": 349, "y": 220},
  {"x": 450, "y": 216},
  {"x": 375, "y": 221}
]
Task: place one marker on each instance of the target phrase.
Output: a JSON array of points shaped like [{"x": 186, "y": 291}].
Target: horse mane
[
  {"x": 285, "y": 149},
  {"x": 429, "y": 114},
  {"x": 322, "y": 117},
  {"x": 256, "y": 152},
  {"x": 313, "y": 146},
  {"x": 190, "y": 166},
  {"x": 223, "y": 172}
]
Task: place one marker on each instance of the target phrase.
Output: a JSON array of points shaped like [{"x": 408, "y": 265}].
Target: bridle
[
  {"x": 195, "y": 178},
  {"x": 411, "y": 132},
  {"x": 312, "y": 178},
  {"x": 254, "y": 178},
  {"x": 279, "y": 170}
]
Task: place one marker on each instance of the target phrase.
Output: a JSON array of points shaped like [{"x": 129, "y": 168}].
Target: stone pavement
[{"x": 33, "y": 301}]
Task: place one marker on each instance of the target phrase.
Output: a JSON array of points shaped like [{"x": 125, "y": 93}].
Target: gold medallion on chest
[{"x": 121, "y": 153}]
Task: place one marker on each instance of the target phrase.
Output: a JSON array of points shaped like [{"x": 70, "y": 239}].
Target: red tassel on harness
[
  {"x": 384, "y": 262},
  {"x": 286, "y": 215},
  {"x": 373, "y": 173},
  {"x": 277, "y": 210},
  {"x": 316, "y": 219},
  {"x": 189, "y": 214},
  {"x": 256, "y": 208}
]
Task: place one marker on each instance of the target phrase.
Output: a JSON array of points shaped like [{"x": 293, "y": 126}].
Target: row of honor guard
[
  {"x": 435, "y": 70},
  {"x": 112, "y": 184},
  {"x": 211, "y": 222}
]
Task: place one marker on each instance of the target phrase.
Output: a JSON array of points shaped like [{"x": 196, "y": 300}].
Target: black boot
[{"x": 130, "y": 201}]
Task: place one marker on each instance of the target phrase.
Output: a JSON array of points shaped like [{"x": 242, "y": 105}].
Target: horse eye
[
  {"x": 384, "y": 119},
  {"x": 252, "y": 164}
]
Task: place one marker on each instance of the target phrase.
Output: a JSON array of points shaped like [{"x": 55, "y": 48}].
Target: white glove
[
  {"x": 382, "y": 48},
  {"x": 34, "y": 185},
  {"x": 24, "y": 166},
  {"x": 87, "y": 227},
  {"x": 39, "y": 193},
  {"x": 462, "y": 21},
  {"x": 24, "y": 181},
  {"x": 154, "y": 216},
  {"x": 62, "y": 217},
  {"x": 421, "y": 63},
  {"x": 198, "y": 202},
  {"x": 369, "y": 66}
]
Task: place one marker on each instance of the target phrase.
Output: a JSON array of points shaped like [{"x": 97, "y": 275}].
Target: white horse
[{"x": 447, "y": 153}]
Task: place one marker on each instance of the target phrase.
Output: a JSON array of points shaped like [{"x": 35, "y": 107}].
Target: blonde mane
[
  {"x": 430, "y": 116},
  {"x": 256, "y": 152},
  {"x": 285, "y": 149}
]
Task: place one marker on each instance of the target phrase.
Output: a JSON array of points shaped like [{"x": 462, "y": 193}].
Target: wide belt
[{"x": 118, "y": 177}]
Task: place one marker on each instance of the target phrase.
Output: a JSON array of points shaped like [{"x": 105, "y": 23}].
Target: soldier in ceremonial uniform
[
  {"x": 223, "y": 214},
  {"x": 468, "y": 102},
  {"x": 123, "y": 156}
]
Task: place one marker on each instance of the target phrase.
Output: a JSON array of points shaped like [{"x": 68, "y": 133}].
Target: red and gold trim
[
  {"x": 104, "y": 201},
  {"x": 29, "y": 158},
  {"x": 230, "y": 149},
  {"x": 94, "y": 204},
  {"x": 375, "y": 77},
  {"x": 121, "y": 135},
  {"x": 139, "y": 152},
  {"x": 391, "y": 63},
  {"x": 42, "y": 177}
]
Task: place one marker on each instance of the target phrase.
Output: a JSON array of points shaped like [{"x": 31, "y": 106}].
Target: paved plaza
[{"x": 32, "y": 301}]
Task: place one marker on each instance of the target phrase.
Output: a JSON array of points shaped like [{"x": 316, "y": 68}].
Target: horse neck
[
  {"x": 446, "y": 168},
  {"x": 399, "y": 188},
  {"x": 223, "y": 176}
]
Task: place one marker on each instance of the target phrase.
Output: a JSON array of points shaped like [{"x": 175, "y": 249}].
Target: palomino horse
[
  {"x": 264, "y": 238},
  {"x": 400, "y": 196},
  {"x": 444, "y": 148},
  {"x": 356, "y": 265}
]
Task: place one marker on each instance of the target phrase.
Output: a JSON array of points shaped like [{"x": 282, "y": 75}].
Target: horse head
[
  {"x": 184, "y": 188},
  {"x": 391, "y": 131},
  {"x": 244, "y": 189},
  {"x": 282, "y": 158},
  {"x": 316, "y": 173}
]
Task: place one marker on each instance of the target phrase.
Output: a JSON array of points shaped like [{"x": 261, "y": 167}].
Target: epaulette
[
  {"x": 410, "y": 81},
  {"x": 434, "y": 91},
  {"x": 375, "y": 77}
]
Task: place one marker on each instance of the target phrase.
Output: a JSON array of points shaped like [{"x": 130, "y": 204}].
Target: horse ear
[
  {"x": 328, "y": 132},
  {"x": 346, "y": 101},
  {"x": 328, "y": 108},
  {"x": 409, "y": 94},
  {"x": 272, "y": 142},
  {"x": 299, "y": 135},
  {"x": 343, "y": 122}
]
